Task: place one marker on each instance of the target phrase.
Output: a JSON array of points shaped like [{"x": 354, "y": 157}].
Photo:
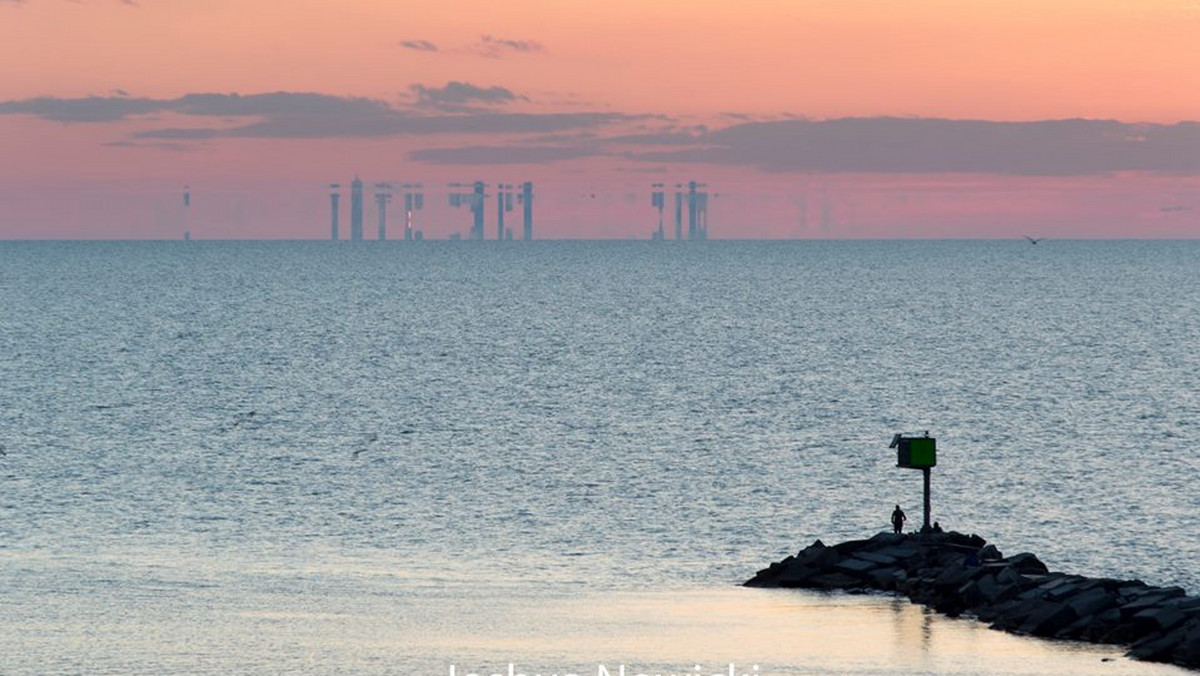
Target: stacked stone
[{"x": 961, "y": 574}]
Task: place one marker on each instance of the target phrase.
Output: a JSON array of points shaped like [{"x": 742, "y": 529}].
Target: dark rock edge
[{"x": 958, "y": 574}]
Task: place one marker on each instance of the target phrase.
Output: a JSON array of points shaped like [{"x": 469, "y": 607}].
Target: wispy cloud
[
  {"x": 462, "y": 96},
  {"x": 419, "y": 45},
  {"x": 165, "y": 145},
  {"x": 875, "y": 145},
  {"x": 489, "y": 46},
  {"x": 922, "y": 145},
  {"x": 500, "y": 155},
  {"x": 87, "y": 109},
  {"x": 495, "y": 47},
  {"x": 311, "y": 115},
  {"x": 846, "y": 145},
  {"x": 394, "y": 124},
  {"x": 122, "y": 106}
]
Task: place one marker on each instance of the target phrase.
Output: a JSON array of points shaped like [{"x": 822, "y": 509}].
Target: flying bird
[{"x": 1032, "y": 240}]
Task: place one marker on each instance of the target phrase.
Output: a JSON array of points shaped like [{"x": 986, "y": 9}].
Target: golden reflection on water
[
  {"x": 362, "y": 618},
  {"x": 784, "y": 632}
]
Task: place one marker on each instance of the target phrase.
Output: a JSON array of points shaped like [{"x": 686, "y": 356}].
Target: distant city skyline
[{"x": 860, "y": 119}]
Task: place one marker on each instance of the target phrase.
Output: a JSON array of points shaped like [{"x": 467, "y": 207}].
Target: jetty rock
[{"x": 963, "y": 575}]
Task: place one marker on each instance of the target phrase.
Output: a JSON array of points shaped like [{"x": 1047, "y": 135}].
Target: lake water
[{"x": 391, "y": 458}]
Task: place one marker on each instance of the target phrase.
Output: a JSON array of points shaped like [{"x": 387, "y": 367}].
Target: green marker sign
[{"x": 916, "y": 452}]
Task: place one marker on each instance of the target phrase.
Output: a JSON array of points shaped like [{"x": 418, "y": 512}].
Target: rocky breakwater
[{"x": 960, "y": 574}]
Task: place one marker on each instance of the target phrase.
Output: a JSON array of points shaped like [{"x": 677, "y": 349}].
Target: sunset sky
[{"x": 844, "y": 119}]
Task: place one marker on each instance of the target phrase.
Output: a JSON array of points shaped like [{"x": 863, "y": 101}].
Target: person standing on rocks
[{"x": 898, "y": 519}]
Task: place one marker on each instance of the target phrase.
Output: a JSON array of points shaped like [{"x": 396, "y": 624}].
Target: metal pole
[{"x": 926, "y": 472}]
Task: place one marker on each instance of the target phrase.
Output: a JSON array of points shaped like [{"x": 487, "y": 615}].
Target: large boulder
[
  {"x": 856, "y": 567},
  {"x": 1157, "y": 647},
  {"x": 887, "y": 579},
  {"x": 994, "y": 589},
  {"x": 1092, "y": 601},
  {"x": 835, "y": 580},
  {"x": 1048, "y": 620},
  {"x": 1161, "y": 619},
  {"x": 971, "y": 541},
  {"x": 877, "y": 557},
  {"x": 1187, "y": 653},
  {"x": 797, "y": 576},
  {"x": 1015, "y": 612},
  {"x": 1027, "y": 564},
  {"x": 888, "y": 538},
  {"x": 990, "y": 553}
]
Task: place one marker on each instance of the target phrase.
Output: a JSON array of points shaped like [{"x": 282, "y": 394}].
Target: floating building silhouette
[
  {"x": 383, "y": 195},
  {"x": 695, "y": 197},
  {"x": 414, "y": 200},
  {"x": 658, "y": 201},
  {"x": 697, "y": 211},
  {"x": 504, "y": 203},
  {"x": 678, "y": 212},
  {"x": 356, "y": 210},
  {"x": 335, "y": 198},
  {"x": 475, "y": 200},
  {"x": 526, "y": 199}
]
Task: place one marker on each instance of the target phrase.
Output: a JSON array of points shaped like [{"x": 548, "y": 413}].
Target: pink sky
[{"x": 101, "y": 125}]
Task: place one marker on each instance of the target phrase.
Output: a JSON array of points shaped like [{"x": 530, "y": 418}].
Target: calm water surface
[{"x": 309, "y": 458}]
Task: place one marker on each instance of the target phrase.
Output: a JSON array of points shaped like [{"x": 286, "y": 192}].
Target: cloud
[
  {"x": 666, "y": 137},
  {"x": 301, "y": 115},
  {"x": 858, "y": 145},
  {"x": 87, "y": 109},
  {"x": 311, "y": 115},
  {"x": 122, "y": 106},
  {"x": 924, "y": 145},
  {"x": 419, "y": 45},
  {"x": 494, "y": 47},
  {"x": 179, "y": 134},
  {"x": 303, "y": 104},
  {"x": 393, "y": 124},
  {"x": 498, "y": 155},
  {"x": 172, "y": 147},
  {"x": 462, "y": 96}
]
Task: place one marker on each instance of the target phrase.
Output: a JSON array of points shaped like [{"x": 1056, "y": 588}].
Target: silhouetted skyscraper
[
  {"x": 527, "y": 201},
  {"x": 678, "y": 213},
  {"x": 356, "y": 210},
  {"x": 691, "y": 201},
  {"x": 408, "y": 209},
  {"x": 658, "y": 201},
  {"x": 499, "y": 212},
  {"x": 473, "y": 199},
  {"x": 477, "y": 209},
  {"x": 504, "y": 204},
  {"x": 383, "y": 195},
  {"x": 334, "y": 199},
  {"x": 414, "y": 200}
]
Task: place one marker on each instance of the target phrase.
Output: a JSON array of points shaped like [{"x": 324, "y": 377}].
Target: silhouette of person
[
  {"x": 898, "y": 519},
  {"x": 937, "y": 527}
]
